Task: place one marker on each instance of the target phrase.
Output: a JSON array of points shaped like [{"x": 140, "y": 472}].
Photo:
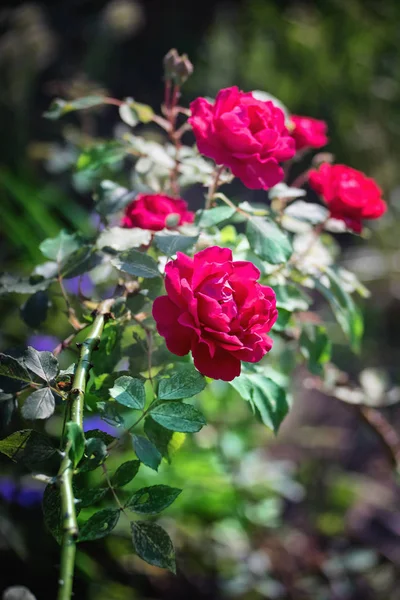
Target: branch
[
  {"x": 66, "y": 471},
  {"x": 385, "y": 431}
]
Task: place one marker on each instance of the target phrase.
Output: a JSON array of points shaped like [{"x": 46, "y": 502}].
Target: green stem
[
  {"x": 65, "y": 474},
  {"x": 213, "y": 186}
]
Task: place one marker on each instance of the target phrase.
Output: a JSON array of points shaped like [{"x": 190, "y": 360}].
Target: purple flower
[
  {"x": 43, "y": 342},
  {"x": 97, "y": 422},
  {"x": 82, "y": 282},
  {"x": 21, "y": 492}
]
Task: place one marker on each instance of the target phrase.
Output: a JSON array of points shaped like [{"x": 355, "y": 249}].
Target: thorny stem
[
  {"x": 213, "y": 187},
  {"x": 65, "y": 473}
]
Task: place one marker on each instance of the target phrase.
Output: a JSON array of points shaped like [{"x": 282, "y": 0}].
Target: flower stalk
[{"x": 66, "y": 471}]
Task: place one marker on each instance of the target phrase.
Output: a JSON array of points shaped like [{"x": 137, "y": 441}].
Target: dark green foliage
[
  {"x": 152, "y": 500},
  {"x": 99, "y": 525},
  {"x": 146, "y": 451},
  {"x": 187, "y": 382},
  {"x": 178, "y": 416},
  {"x": 153, "y": 544},
  {"x": 267, "y": 399},
  {"x": 129, "y": 392},
  {"x": 125, "y": 473},
  {"x": 268, "y": 241},
  {"x": 136, "y": 263},
  {"x": 35, "y": 309}
]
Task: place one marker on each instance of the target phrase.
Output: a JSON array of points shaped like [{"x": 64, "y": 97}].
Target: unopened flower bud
[
  {"x": 172, "y": 220},
  {"x": 177, "y": 68},
  {"x": 322, "y": 157},
  {"x": 183, "y": 70},
  {"x": 170, "y": 63}
]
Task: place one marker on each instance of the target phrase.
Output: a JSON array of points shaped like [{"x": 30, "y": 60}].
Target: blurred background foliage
[{"x": 314, "y": 512}]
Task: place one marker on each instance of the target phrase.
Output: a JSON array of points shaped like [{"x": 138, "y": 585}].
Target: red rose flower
[
  {"x": 349, "y": 194},
  {"x": 151, "y": 211},
  {"x": 245, "y": 134},
  {"x": 215, "y": 308},
  {"x": 309, "y": 133}
]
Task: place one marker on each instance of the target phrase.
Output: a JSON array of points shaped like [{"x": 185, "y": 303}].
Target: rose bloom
[
  {"x": 349, "y": 194},
  {"x": 154, "y": 212},
  {"x": 245, "y": 134},
  {"x": 216, "y": 309},
  {"x": 308, "y": 133}
]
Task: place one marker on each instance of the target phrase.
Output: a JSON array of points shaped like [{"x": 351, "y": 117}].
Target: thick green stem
[{"x": 65, "y": 474}]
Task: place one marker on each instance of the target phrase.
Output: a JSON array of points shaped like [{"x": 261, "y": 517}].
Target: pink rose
[
  {"x": 309, "y": 133},
  {"x": 245, "y": 134},
  {"x": 349, "y": 194},
  {"x": 155, "y": 211},
  {"x": 215, "y": 308}
]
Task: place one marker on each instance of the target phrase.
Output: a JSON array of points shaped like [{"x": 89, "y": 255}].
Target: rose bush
[
  {"x": 349, "y": 194},
  {"x": 308, "y": 132},
  {"x": 245, "y": 134},
  {"x": 216, "y": 309},
  {"x": 151, "y": 211}
]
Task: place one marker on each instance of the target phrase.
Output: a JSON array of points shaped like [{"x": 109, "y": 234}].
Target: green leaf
[
  {"x": 60, "y": 107},
  {"x": 128, "y": 115},
  {"x": 152, "y": 500},
  {"x": 11, "y": 367},
  {"x": 112, "y": 198},
  {"x": 51, "y": 505},
  {"x": 153, "y": 545},
  {"x": 307, "y": 211},
  {"x": 99, "y": 525},
  {"x": 60, "y": 247},
  {"x": 268, "y": 241},
  {"x": 178, "y": 416},
  {"x": 144, "y": 112},
  {"x": 79, "y": 262},
  {"x": 125, "y": 473},
  {"x": 89, "y": 497},
  {"x": 34, "y": 311},
  {"x": 170, "y": 244},
  {"x": 146, "y": 452},
  {"x": 101, "y": 155},
  {"x": 101, "y": 435},
  {"x": 23, "y": 285},
  {"x": 129, "y": 391},
  {"x": 43, "y": 364},
  {"x": 76, "y": 436},
  {"x": 160, "y": 436},
  {"x": 267, "y": 398},
  {"x": 291, "y": 298},
  {"x": 120, "y": 238},
  {"x": 187, "y": 382},
  {"x": 283, "y": 319},
  {"x": 39, "y": 405},
  {"x": 213, "y": 216},
  {"x": 347, "y": 314},
  {"x": 29, "y": 447},
  {"x": 95, "y": 454},
  {"x": 136, "y": 263},
  {"x": 316, "y": 347}
]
